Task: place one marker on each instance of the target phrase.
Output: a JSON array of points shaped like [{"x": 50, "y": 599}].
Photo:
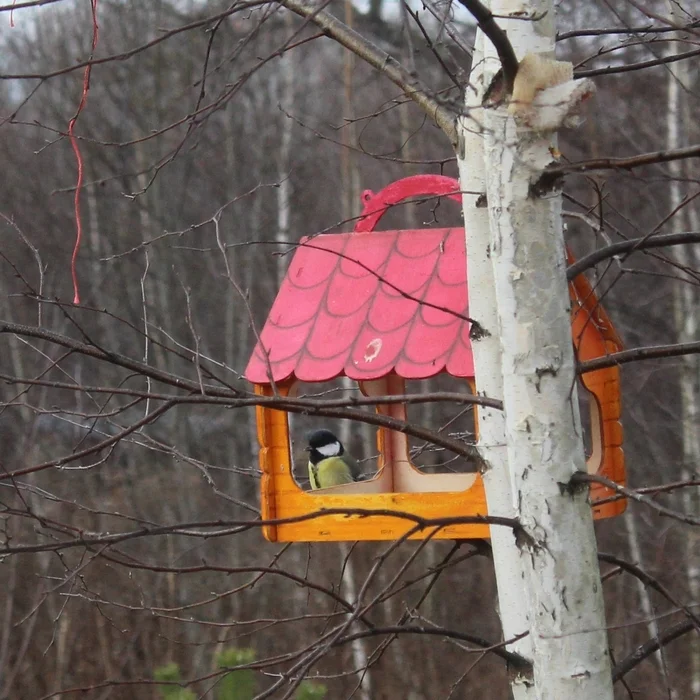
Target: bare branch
[
  {"x": 650, "y": 582},
  {"x": 98, "y": 353},
  {"x": 28, "y": 3},
  {"x": 610, "y": 251},
  {"x": 225, "y": 528},
  {"x": 635, "y": 354},
  {"x": 497, "y": 37},
  {"x": 580, "y": 477},
  {"x": 238, "y": 7},
  {"x": 379, "y": 59},
  {"x": 611, "y": 31},
  {"x": 553, "y": 173},
  {"x": 516, "y": 661},
  {"x": 629, "y": 67},
  {"x": 645, "y": 650}
]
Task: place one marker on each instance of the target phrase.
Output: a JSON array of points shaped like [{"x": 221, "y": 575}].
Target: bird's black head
[{"x": 323, "y": 444}]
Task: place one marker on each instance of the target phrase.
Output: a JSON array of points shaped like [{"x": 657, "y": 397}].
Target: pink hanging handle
[{"x": 376, "y": 205}]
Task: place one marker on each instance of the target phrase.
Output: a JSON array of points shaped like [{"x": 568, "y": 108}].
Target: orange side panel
[
  {"x": 594, "y": 336},
  {"x": 273, "y": 437}
]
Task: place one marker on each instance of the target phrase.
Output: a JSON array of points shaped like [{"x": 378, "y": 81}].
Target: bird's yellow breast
[{"x": 332, "y": 471}]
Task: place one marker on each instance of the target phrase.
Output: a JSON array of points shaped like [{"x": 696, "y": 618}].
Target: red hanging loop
[{"x": 78, "y": 155}]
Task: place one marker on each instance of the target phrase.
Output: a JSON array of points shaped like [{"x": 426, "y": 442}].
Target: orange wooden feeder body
[{"x": 381, "y": 308}]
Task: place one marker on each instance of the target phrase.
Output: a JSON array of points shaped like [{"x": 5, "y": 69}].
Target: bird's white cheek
[{"x": 329, "y": 450}]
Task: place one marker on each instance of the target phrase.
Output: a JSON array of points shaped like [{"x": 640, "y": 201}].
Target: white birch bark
[
  {"x": 561, "y": 584},
  {"x": 678, "y": 122},
  {"x": 487, "y": 361},
  {"x": 286, "y": 98},
  {"x": 360, "y": 656}
]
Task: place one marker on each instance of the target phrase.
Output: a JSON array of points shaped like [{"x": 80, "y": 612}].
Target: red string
[
  {"x": 78, "y": 156},
  {"x": 12, "y": 14}
]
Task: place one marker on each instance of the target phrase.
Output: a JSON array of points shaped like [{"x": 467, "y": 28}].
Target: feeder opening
[
  {"x": 358, "y": 439},
  {"x": 453, "y": 420},
  {"x": 387, "y": 461}
]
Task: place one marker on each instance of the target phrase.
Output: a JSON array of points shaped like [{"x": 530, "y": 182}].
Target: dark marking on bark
[
  {"x": 524, "y": 540},
  {"x": 521, "y": 676},
  {"x": 573, "y": 487},
  {"x": 550, "y": 370},
  {"x": 496, "y": 93},
  {"x": 527, "y": 544},
  {"x": 461, "y": 148},
  {"x": 547, "y": 184},
  {"x": 477, "y": 332}
]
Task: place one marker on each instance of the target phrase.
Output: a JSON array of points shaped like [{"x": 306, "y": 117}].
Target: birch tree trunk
[
  {"x": 487, "y": 360},
  {"x": 285, "y": 95},
  {"x": 679, "y": 121},
  {"x": 560, "y": 584}
]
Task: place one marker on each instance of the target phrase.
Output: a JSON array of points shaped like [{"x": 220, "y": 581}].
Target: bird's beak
[{"x": 307, "y": 449}]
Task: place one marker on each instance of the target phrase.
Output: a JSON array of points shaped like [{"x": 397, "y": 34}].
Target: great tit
[{"x": 329, "y": 464}]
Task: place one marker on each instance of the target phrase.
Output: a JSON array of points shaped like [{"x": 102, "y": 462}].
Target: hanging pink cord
[{"x": 78, "y": 156}]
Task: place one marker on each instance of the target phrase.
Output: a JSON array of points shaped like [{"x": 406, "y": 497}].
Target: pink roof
[{"x": 364, "y": 305}]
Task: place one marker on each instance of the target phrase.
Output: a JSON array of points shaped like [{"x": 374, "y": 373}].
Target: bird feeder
[{"x": 381, "y": 308}]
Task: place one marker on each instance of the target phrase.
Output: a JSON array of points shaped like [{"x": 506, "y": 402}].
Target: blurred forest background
[{"x": 217, "y": 134}]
